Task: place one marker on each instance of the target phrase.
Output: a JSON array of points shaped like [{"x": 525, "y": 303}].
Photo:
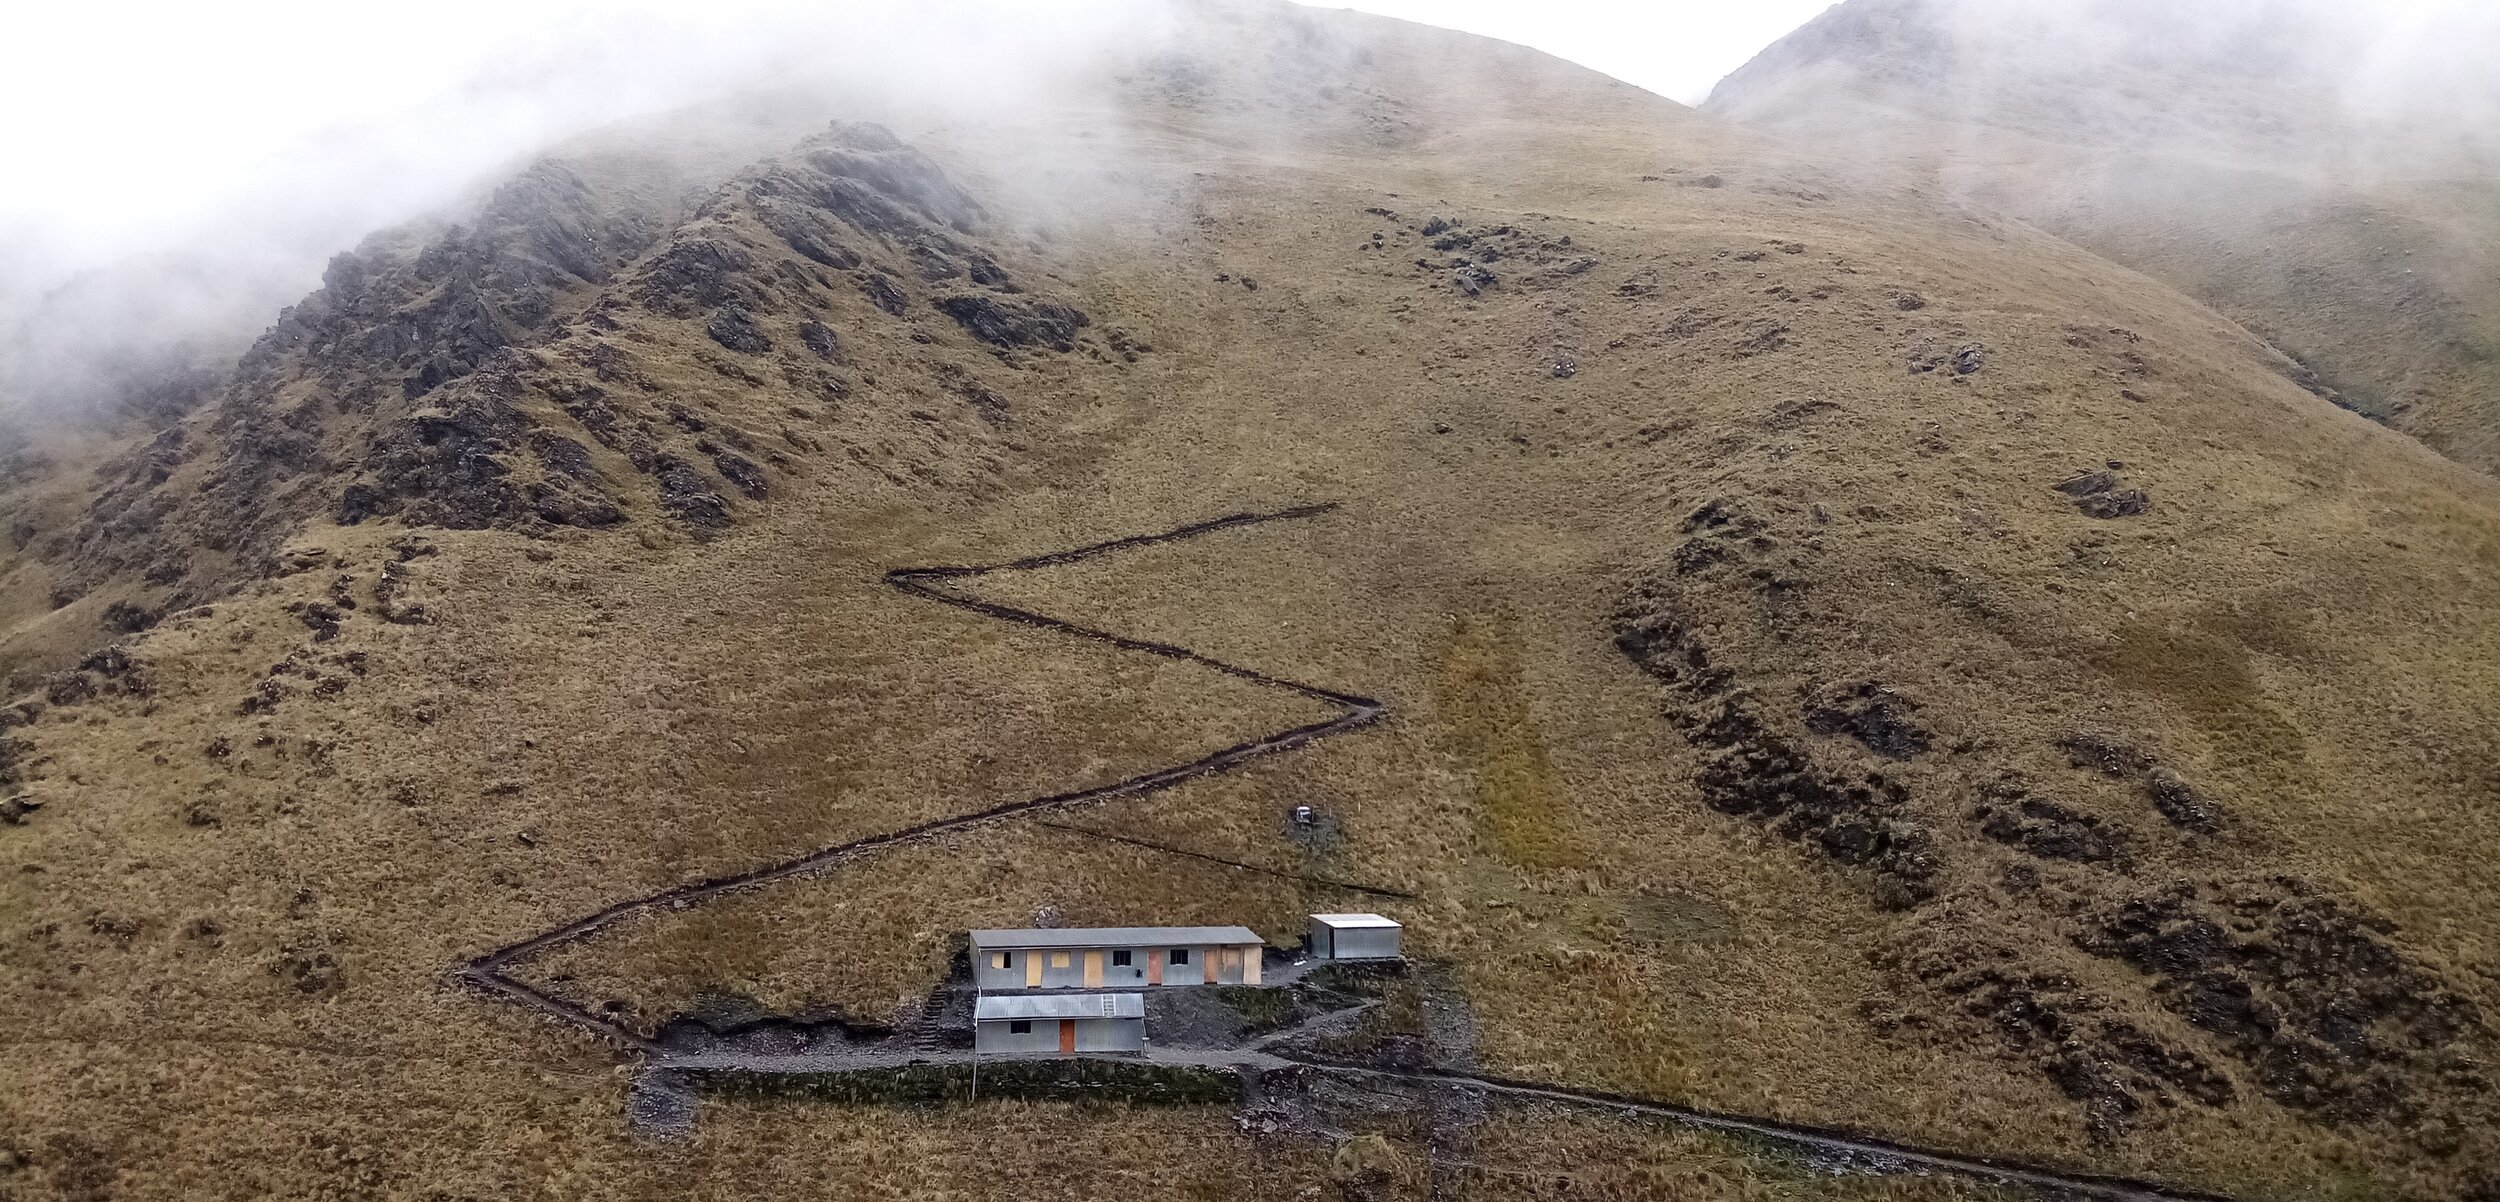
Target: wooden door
[
  {"x": 1067, "y": 1035},
  {"x": 1206, "y": 965},
  {"x": 1093, "y": 970},
  {"x": 1154, "y": 966},
  {"x": 1032, "y": 970}
]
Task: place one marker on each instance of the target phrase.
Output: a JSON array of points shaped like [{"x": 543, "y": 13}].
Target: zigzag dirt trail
[{"x": 492, "y": 972}]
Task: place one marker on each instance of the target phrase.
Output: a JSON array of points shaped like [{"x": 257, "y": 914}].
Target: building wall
[
  {"x": 991, "y": 978},
  {"x": 1092, "y": 1035},
  {"x": 1356, "y": 943},
  {"x": 1110, "y": 1034}
]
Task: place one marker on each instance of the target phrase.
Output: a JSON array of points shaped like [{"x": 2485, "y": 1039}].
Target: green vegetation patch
[{"x": 1482, "y": 696}]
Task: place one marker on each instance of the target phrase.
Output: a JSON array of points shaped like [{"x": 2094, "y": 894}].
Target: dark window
[
  {"x": 1119, "y": 959},
  {"x": 1180, "y": 955},
  {"x": 1022, "y": 1026}
]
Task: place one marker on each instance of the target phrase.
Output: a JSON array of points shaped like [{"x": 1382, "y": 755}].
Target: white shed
[
  {"x": 1354, "y": 937},
  {"x": 1066, "y": 1023}
]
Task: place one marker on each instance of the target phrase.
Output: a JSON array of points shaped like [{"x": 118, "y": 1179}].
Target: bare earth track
[{"x": 492, "y": 972}]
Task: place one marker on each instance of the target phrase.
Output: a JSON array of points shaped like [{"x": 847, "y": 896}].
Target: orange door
[
  {"x": 1206, "y": 965},
  {"x": 1067, "y": 1035},
  {"x": 1154, "y": 967}
]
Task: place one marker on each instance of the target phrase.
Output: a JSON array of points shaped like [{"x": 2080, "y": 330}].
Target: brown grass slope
[
  {"x": 1770, "y": 731},
  {"x": 2260, "y": 156}
]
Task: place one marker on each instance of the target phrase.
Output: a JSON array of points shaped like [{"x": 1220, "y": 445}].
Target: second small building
[
  {"x": 1115, "y": 957},
  {"x": 1065, "y": 1023}
]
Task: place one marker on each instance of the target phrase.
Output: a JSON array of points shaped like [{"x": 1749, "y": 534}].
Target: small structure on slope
[
  {"x": 1115, "y": 957},
  {"x": 1059, "y": 1024},
  {"x": 1354, "y": 937}
]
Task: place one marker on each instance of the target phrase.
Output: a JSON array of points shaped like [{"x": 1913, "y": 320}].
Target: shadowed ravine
[{"x": 492, "y": 972}]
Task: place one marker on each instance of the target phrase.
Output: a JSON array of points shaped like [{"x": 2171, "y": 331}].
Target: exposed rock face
[
  {"x": 2251, "y": 983},
  {"x": 475, "y": 380}
]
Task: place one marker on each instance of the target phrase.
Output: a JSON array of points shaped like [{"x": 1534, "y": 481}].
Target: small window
[
  {"x": 1022, "y": 1026},
  {"x": 1119, "y": 959},
  {"x": 1059, "y": 959},
  {"x": 1180, "y": 955},
  {"x": 999, "y": 959}
]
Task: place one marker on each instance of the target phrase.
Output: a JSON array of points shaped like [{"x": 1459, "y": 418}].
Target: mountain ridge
[{"x": 1896, "y": 669}]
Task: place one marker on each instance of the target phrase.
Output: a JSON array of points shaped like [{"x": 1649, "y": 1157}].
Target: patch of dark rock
[
  {"x": 15, "y": 811},
  {"x": 321, "y": 618},
  {"x": 2096, "y": 494},
  {"x": 122, "y": 617},
  {"x": 390, "y": 597},
  {"x": 742, "y": 474},
  {"x": 717, "y": 1026},
  {"x": 686, "y": 493},
  {"x": 1011, "y": 323},
  {"x": 2089, "y": 484},
  {"x": 882, "y": 292},
  {"x": 933, "y": 264},
  {"x": 820, "y": 340},
  {"x": 2312, "y": 995},
  {"x": 684, "y": 419},
  {"x": 69, "y": 688},
  {"x": 692, "y": 275},
  {"x": 868, "y": 177},
  {"x": 986, "y": 272},
  {"x": 561, "y": 455},
  {"x": 2111, "y": 758},
  {"x": 1721, "y": 533},
  {"x": 448, "y": 466},
  {"x": 1754, "y": 772},
  {"x": 2181, "y": 804},
  {"x": 734, "y": 327},
  {"x": 2124, "y": 503},
  {"x": 1969, "y": 358},
  {"x": 2112, "y": 1067},
  {"x": 802, "y": 226},
  {"x": 1872, "y": 714},
  {"x": 2048, "y": 830}
]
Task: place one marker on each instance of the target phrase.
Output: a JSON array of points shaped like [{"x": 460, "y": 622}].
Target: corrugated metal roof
[
  {"x": 1346, "y": 922},
  {"x": 1003, "y": 1007},
  {"x": 1113, "y": 937}
]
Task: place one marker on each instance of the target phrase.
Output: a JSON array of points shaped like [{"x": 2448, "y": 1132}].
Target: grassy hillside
[
  {"x": 1850, "y": 659},
  {"x": 2304, "y": 168}
]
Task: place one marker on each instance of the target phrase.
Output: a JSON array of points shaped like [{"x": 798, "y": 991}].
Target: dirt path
[
  {"x": 492, "y": 972},
  {"x": 672, "y": 1105}
]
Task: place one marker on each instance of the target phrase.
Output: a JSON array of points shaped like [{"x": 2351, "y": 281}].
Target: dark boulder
[
  {"x": 1004, "y": 322},
  {"x": 734, "y": 327}
]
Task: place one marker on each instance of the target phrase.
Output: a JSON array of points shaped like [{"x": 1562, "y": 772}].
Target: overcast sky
[
  {"x": 1676, "y": 48},
  {"x": 126, "y": 123}
]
